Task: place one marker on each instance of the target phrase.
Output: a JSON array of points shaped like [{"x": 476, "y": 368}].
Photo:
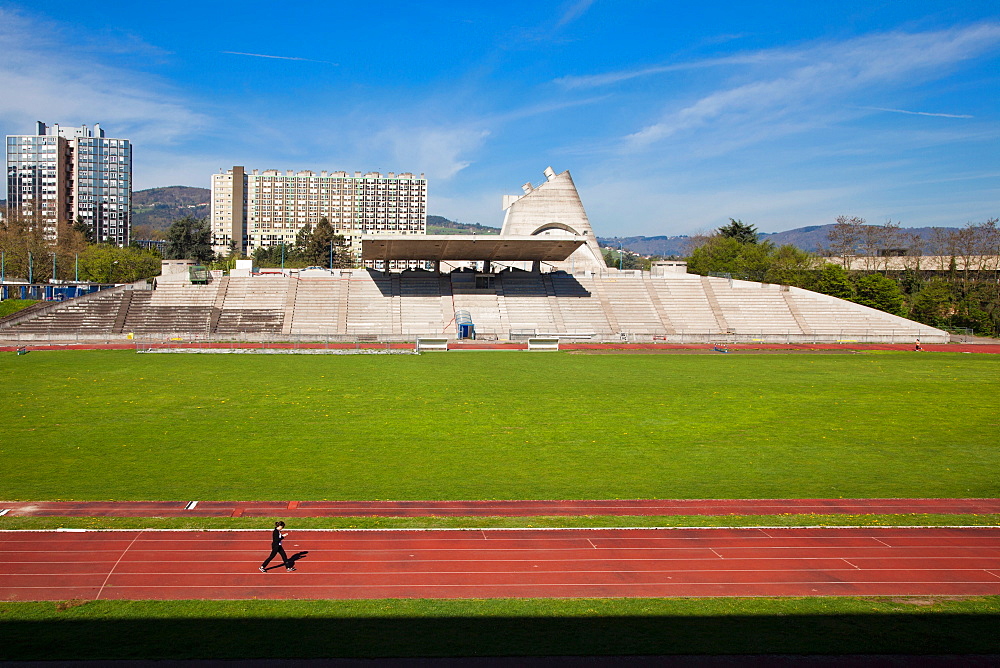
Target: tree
[
  {"x": 622, "y": 259},
  {"x": 790, "y": 266},
  {"x": 318, "y": 249},
  {"x": 740, "y": 231},
  {"x": 25, "y": 248},
  {"x": 879, "y": 292},
  {"x": 107, "y": 263},
  {"x": 85, "y": 229},
  {"x": 716, "y": 256},
  {"x": 845, "y": 238},
  {"x": 933, "y": 304},
  {"x": 190, "y": 239},
  {"x": 835, "y": 281}
]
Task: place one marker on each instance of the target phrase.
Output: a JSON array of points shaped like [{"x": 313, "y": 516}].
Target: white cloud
[
  {"x": 45, "y": 78},
  {"x": 575, "y": 10},
  {"x": 803, "y": 86},
  {"x": 441, "y": 152}
]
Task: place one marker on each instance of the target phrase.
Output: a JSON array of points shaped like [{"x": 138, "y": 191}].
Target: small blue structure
[{"x": 466, "y": 328}]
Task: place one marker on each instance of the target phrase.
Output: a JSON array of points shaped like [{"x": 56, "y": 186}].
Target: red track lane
[
  {"x": 866, "y": 561},
  {"x": 497, "y": 508}
]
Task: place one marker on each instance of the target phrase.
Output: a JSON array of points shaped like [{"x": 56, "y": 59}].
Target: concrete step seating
[
  {"x": 421, "y": 303},
  {"x": 630, "y": 302},
  {"x": 684, "y": 300},
  {"x": 756, "y": 308},
  {"x": 369, "y": 304},
  {"x": 832, "y": 317},
  {"x": 578, "y": 304},
  {"x": 360, "y": 303},
  {"x": 256, "y": 293},
  {"x": 526, "y": 302},
  {"x": 96, "y": 315},
  {"x": 318, "y": 304}
]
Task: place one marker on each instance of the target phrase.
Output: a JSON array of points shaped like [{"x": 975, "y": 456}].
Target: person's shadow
[
  {"x": 291, "y": 559},
  {"x": 298, "y": 555}
]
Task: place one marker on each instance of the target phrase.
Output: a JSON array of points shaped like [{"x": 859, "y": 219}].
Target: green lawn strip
[
  {"x": 12, "y": 306},
  {"x": 585, "y": 521},
  {"x": 244, "y": 629},
  {"x": 99, "y": 425}
]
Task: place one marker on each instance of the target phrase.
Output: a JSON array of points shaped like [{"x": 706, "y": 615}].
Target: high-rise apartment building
[
  {"x": 268, "y": 208},
  {"x": 61, "y": 174}
]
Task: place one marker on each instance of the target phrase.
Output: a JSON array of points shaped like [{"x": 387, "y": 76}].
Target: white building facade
[
  {"x": 61, "y": 174},
  {"x": 255, "y": 209}
]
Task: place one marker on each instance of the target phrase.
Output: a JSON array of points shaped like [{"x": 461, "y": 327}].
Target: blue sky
[{"x": 671, "y": 117}]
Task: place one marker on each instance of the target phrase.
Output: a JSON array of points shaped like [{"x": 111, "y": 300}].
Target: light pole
[
  {"x": 53, "y": 268},
  {"x": 331, "y": 254},
  {"x": 620, "y": 256},
  {"x": 77, "y": 272},
  {"x": 3, "y": 267},
  {"x": 31, "y": 268},
  {"x": 282, "y": 255}
]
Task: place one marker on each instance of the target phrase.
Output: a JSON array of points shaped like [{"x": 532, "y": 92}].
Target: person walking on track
[{"x": 276, "y": 549}]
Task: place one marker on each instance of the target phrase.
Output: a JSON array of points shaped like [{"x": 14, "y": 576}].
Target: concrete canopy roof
[{"x": 468, "y": 247}]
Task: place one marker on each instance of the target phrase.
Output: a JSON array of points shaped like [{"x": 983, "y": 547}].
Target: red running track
[
  {"x": 867, "y": 561},
  {"x": 495, "y": 508}
]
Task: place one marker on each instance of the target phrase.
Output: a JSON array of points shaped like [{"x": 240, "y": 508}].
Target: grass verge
[
  {"x": 585, "y": 521},
  {"x": 107, "y": 630}
]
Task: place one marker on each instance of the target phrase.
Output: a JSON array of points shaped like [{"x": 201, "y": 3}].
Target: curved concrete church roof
[{"x": 547, "y": 223}]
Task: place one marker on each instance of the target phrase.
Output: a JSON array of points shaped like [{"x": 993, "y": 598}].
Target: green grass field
[
  {"x": 116, "y": 425},
  {"x": 497, "y": 627},
  {"x": 89, "y": 425}
]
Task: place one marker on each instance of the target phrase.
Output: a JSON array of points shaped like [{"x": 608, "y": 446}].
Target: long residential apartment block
[
  {"x": 255, "y": 209},
  {"x": 63, "y": 174}
]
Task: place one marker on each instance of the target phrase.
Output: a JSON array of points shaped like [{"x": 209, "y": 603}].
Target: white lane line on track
[
  {"x": 850, "y": 564},
  {"x": 602, "y": 585},
  {"x": 312, "y": 572},
  {"x": 110, "y": 572}
]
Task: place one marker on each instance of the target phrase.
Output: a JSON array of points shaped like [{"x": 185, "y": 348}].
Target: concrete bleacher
[
  {"x": 485, "y": 305},
  {"x": 420, "y": 303},
  {"x": 96, "y": 315},
  {"x": 631, "y": 304},
  {"x": 319, "y": 307},
  {"x": 370, "y": 305},
  {"x": 683, "y": 298},
  {"x": 581, "y": 311},
  {"x": 511, "y": 303},
  {"x": 526, "y": 302}
]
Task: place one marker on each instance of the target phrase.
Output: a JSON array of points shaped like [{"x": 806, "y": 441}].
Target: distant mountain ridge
[
  {"x": 441, "y": 225},
  {"x": 811, "y": 238}
]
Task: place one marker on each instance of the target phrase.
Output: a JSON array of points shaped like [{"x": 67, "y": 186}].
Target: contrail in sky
[
  {"x": 264, "y": 55},
  {"x": 920, "y": 113}
]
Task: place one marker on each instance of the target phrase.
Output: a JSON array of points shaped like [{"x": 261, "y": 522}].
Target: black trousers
[{"x": 276, "y": 551}]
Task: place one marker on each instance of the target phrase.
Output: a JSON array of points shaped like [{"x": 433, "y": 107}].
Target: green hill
[
  {"x": 155, "y": 208},
  {"x": 441, "y": 225}
]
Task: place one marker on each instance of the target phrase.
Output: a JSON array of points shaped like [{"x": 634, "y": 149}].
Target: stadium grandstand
[{"x": 542, "y": 276}]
